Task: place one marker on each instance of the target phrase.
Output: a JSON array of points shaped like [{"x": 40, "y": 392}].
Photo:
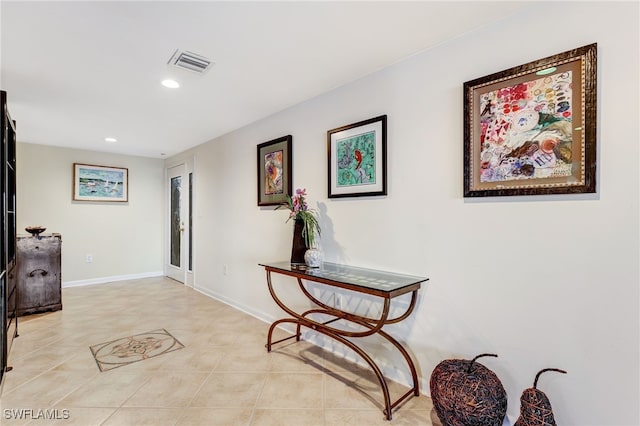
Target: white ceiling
[{"x": 77, "y": 72}]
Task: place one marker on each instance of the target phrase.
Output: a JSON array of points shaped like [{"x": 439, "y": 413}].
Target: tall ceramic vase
[{"x": 299, "y": 247}]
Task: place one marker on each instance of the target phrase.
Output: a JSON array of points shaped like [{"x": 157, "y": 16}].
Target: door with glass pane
[{"x": 178, "y": 187}]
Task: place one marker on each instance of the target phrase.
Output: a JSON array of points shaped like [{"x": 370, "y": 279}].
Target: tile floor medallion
[{"x": 127, "y": 350}]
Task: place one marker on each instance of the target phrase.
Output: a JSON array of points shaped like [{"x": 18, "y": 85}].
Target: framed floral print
[{"x": 274, "y": 171}]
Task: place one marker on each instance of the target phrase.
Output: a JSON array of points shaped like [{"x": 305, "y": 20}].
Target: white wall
[
  {"x": 543, "y": 281},
  {"x": 125, "y": 239}
]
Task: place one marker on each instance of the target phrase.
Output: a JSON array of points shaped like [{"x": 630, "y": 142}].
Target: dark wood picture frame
[
  {"x": 357, "y": 159},
  {"x": 274, "y": 171},
  {"x": 531, "y": 129}
]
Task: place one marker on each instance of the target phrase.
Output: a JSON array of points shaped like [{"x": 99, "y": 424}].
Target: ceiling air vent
[{"x": 190, "y": 61}]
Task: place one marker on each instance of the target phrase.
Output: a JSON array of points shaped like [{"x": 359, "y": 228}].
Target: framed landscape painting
[
  {"x": 357, "y": 155},
  {"x": 531, "y": 129},
  {"x": 274, "y": 171},
  {"x": 100, "y": 183}
]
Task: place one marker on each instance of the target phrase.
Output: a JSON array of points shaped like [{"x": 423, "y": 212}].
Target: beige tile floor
[{"x": 223, "y": 376}]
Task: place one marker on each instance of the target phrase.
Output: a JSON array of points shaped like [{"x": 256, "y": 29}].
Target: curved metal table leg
[
  {"x": 381, "y": 379},
  {"x": 371, "y": 326}
]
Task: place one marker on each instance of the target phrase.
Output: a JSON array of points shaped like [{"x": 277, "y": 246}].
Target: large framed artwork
[
  {"x": 531, "y": 129},
  {"x": 274, "y": 171},
  {"x": 100, "y": 183},
  {"x": 357, "y": 155}
]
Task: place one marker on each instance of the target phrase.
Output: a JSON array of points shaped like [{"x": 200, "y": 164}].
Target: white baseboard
[
  {"x": 234, "y": 304},
  {"x": 103, "y": 280}
]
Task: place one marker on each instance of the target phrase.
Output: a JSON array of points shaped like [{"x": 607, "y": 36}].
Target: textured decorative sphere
[
  {"x": 313, "y": 258},
  {"x": 466, "y": 393}
]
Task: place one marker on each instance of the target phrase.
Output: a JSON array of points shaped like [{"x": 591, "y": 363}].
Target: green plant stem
[{"x": 311, "y": 228}]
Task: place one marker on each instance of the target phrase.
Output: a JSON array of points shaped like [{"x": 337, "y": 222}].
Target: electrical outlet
[
  {"x": 225, "y": 269},
  {"x": 89, "y": 258}
]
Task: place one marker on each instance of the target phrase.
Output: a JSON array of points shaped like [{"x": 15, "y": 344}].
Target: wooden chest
[{"x": 39, "y": 278}]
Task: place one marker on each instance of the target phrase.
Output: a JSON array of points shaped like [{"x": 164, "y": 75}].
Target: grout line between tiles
[{"x": 190, "y": 314}]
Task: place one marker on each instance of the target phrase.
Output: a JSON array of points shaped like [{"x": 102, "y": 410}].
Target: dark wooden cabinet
[
  {"x": 8, "y": 287},
  {"x": 38, "y": 273}
]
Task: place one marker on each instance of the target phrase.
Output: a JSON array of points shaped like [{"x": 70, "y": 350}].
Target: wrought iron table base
[{"x": 370, "y": 325}]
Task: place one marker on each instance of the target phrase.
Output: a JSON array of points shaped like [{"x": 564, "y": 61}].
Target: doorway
[{"x": 179, "y": 257}]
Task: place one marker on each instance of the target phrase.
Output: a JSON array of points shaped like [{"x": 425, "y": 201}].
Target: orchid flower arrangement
[{"x": 299, "y": 209}]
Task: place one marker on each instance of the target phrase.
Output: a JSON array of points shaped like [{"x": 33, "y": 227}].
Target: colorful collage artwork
[
  {"x": 526, "y": 130},
  {"x": 356, "y": 160},
  {"x": 273, "y": 171}
]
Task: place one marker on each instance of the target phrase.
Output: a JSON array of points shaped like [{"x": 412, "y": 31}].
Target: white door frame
[{"x": 182, "y": 274}]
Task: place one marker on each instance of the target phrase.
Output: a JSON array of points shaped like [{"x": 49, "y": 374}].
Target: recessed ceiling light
[
  {"x": 171, "y": 84},
  {"x": 110, "y": 140}
]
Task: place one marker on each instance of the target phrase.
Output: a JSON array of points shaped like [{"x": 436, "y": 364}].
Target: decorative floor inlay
[{"x": 139, "y": 347}]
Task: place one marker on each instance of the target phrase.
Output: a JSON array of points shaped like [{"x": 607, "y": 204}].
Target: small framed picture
[
  {"x": 531, "y": 129},
  {"x": 357, "y": 155},
  {"x": 274, "y": 171},
  {"x": 100, "y": 183}
]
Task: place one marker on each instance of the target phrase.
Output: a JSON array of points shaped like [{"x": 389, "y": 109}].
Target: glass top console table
[{"x": 378, "y": 284}]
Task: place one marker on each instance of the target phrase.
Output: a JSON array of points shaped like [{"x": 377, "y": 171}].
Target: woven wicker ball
[
  {"x": 466, "y": 393},
  {"x": 535, "y": 407}
]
